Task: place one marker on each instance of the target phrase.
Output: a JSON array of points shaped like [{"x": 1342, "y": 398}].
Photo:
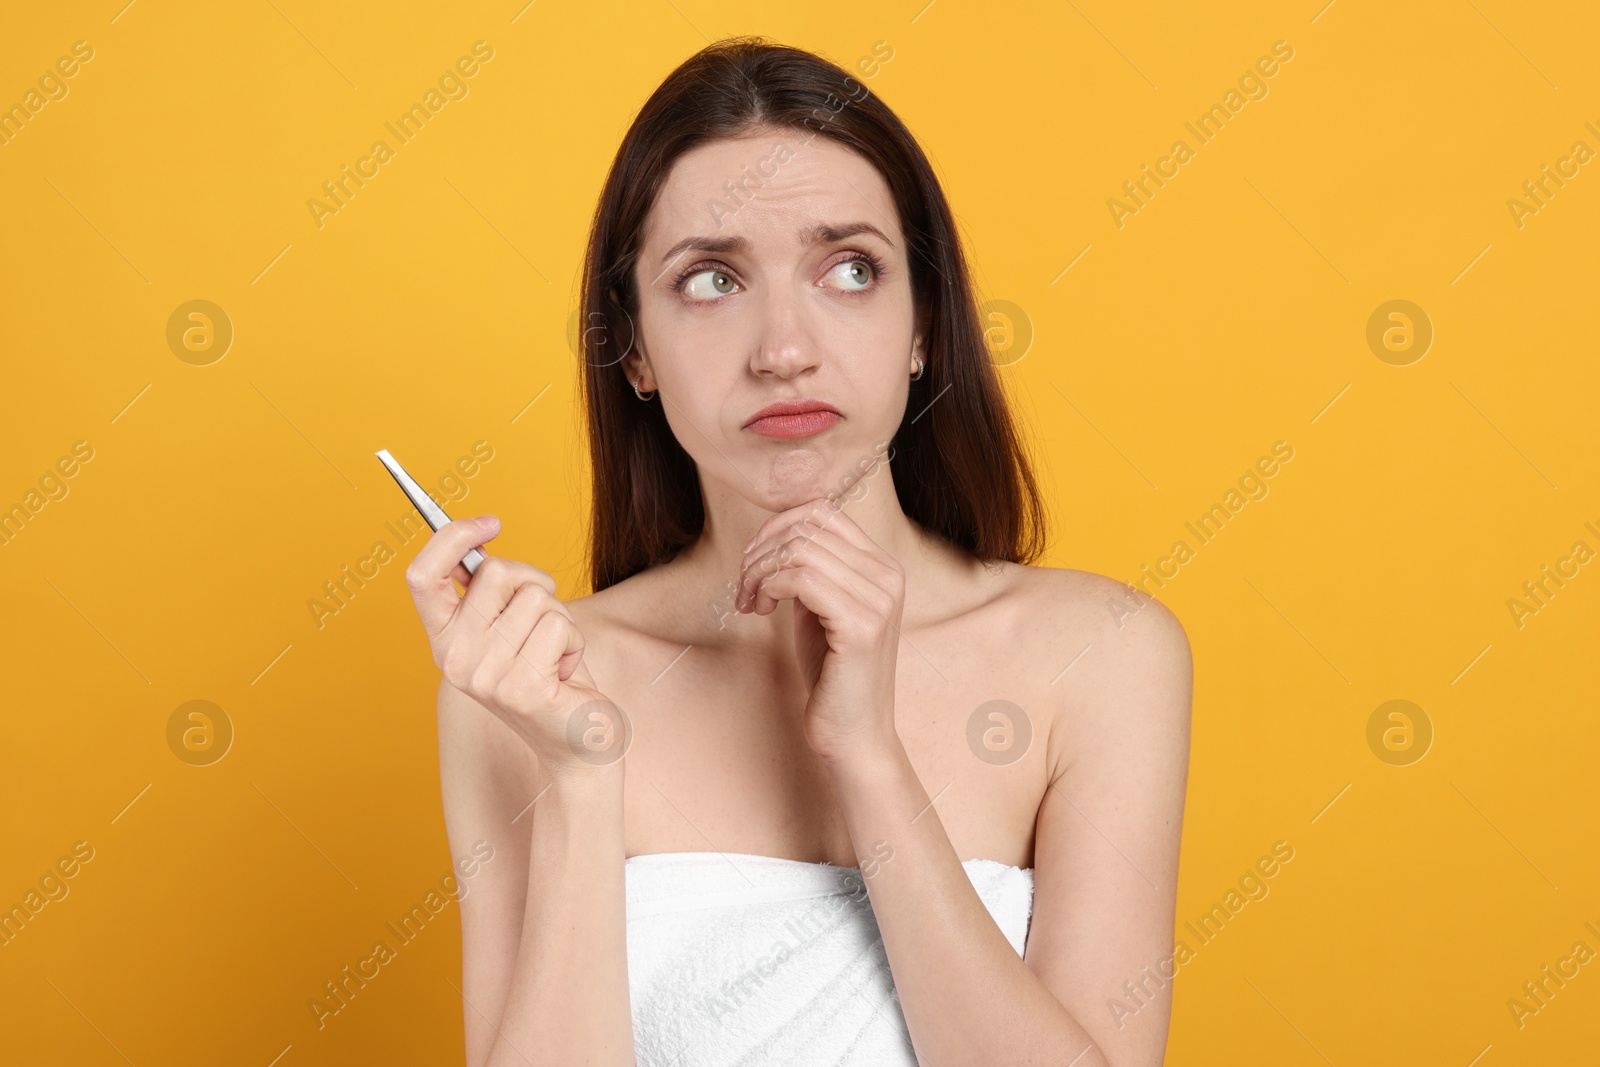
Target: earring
[
  {"x": 636, "y": 392},
  {"x": 918, "y": 375}
]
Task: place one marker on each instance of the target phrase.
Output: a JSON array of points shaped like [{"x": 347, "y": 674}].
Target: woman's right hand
[{"x": 514, "y": 648}]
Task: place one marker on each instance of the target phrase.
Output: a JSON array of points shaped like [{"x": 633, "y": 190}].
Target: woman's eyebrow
[
  {"x": 822, "y": 233},
  {"x": 825, "y": 234}
]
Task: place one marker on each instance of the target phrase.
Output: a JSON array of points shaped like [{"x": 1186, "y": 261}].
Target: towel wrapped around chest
[{"x": 737, "y": 960}]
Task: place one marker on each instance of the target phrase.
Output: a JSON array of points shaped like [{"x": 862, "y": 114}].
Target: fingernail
[
  {"x": 489, "y": 523},
  {"x": 749, "y": 543}
]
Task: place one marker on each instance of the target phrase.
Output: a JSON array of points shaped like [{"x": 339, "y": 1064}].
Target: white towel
[{"x": 744, "y": 960}]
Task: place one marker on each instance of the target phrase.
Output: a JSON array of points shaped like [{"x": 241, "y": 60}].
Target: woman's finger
[
  {"x": 775, "y": 524},
  {"x": 556, "y": 639},
  {"x": 492, "y": 588},
  {"x": 816, "y": 514},
  {"x": 838, "y": 521},
  {"x": 506, "y": 636},
  {"x": 861, "y": 566},
  {"x": 429, "y": 574},
  {"x": 769, "y": 554},
  {"x": 820, "y": 580}
]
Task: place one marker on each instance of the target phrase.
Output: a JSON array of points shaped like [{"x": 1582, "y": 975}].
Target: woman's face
[{"x": 770, "y": 294}]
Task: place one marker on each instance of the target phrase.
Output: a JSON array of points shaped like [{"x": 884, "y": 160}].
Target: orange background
[{"x": 1230, "y": 312}]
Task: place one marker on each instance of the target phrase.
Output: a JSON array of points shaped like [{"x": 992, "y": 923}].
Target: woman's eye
[
  {"x": 708, "y": 284},
  {"x": 853, "y": 273}
]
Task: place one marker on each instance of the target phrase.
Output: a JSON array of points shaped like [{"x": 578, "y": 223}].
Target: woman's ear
[
  {"x": 634, "y": 364},
  {"x": 617, "y": 338}
]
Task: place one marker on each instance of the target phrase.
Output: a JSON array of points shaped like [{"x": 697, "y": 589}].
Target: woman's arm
[
  {"x": 543, "y": 929},
  {"x": 555, "y": 986},
  {"x": 1106, "y": 857},
  {"x": 483, "y": 769},
  {"x": 1106, "y": 834}
]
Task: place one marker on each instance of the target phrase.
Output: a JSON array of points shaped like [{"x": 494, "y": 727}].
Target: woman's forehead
[{"x": 769, "y": 187}]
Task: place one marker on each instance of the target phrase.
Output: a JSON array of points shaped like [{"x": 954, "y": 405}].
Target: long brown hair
[{"x": 958, "y": 464}]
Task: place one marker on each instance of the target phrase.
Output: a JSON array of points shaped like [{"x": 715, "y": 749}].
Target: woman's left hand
[{"x": 848, "y": 595}]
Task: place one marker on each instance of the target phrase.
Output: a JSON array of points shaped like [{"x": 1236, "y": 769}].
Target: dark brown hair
[{"x": 958, "y": 464}]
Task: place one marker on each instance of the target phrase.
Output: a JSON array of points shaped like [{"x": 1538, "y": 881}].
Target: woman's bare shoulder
[
  {"x": 628, "y": 623},
  {"x": 613, "y": 605},
  {"x": 1091, "y": 643},
  {"x": 1074, "y": 632},
  {"x": 1089, "y": 605}
]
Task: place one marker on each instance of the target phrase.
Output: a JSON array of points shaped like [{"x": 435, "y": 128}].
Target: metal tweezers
[{"x": 432, "y": 513}]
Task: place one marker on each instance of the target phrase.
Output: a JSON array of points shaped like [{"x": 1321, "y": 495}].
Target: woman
[{"x": 890, "y": 793}]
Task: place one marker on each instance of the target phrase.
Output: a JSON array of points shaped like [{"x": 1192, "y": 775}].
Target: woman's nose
[{"x": 786, "y": 343}]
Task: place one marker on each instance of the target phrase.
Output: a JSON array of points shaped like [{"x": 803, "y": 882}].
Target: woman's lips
[{"x": 801, "y": 424}]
